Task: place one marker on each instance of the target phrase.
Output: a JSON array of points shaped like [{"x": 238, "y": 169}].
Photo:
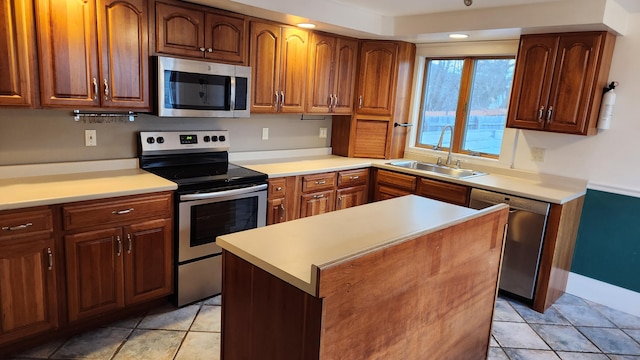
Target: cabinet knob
[
  {"x": 209, "y": 50},
  {"x": 202, "y": 49},
  {"x": 279, "y": 188}
]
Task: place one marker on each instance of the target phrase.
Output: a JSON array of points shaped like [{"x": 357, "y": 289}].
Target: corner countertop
[
  {"x": 294, "y": 250},
  {"x": 96, "y": 180},
  {"x": 548, "y": 188}
]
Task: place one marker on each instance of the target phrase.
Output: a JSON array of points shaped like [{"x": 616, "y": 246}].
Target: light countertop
[
  {"x": 294, "y": 250},
  {"x": 553, "y": 189},
  {"x": 28, "y": 191}
]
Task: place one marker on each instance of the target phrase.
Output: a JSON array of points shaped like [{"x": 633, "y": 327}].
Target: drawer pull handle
[
  {"x": 321, "y": 182},
  {"x": 128, "y": 243},
  {"x": 17, "y": 227},
  {"x": 549, "y": 113},
  {"x": 50, "y": 256},
  {"x": 122, "y": 212},
  {"x": 319, "y": 196},
  {"x": 540, "y": 113},
  {"x": 119, "y": 245},
  {"x": 281, "y": 212},
  {"x": 354, "y": 177},
  {"x": 279, "y": 188}
]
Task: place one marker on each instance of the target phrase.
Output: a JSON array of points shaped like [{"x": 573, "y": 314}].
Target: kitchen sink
[{"x": 450, "y": 171}]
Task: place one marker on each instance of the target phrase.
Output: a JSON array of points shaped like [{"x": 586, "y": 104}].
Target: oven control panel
[{"x": 194, "y": 141}]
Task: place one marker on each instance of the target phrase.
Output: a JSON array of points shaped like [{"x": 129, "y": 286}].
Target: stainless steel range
[{"x": 213, "y": 198}]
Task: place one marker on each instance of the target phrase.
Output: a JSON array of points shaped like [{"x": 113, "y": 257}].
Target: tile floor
[{"x": 572, "y": 329}]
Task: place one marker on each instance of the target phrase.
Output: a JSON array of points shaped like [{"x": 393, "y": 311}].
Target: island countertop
[{"x": 294, "y": 250}]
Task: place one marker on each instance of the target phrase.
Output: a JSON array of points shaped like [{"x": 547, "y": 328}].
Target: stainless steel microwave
[{"x": 189, "y": 88}]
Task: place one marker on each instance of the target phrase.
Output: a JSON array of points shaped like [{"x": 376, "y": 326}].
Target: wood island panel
[{"x": 430, "y": 295}]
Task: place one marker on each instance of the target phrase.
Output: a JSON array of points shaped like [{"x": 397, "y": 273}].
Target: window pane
[
  {"x": 440, "y": 100},
  {"x": 487, "y": 110}
]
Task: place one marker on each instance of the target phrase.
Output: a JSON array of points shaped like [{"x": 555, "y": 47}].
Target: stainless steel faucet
[{"x": 439, "y": 146}]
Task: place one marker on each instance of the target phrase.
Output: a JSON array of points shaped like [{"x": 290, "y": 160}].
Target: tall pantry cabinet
[
  {"x": 383, "y": 93},
  {"x": 93, "y": 53}
]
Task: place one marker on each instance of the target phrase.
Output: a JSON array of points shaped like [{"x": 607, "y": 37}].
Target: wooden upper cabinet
[
  {"x": 558, "y": 82},
  {"x": 377, "y": 77},
  {"x": 18, "y": 83},
  {"x": 93, "y": 53},
  {"x": 190, "y": 31},
  {"x": 332, "y": 72},
  {"x": 278, "y": 68}
]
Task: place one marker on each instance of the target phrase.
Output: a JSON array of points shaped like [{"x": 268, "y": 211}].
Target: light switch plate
[
  {"x": 323, "y": 133},
  {"x": 90, "y": 138},
  {"x": 265, "y": 133}
]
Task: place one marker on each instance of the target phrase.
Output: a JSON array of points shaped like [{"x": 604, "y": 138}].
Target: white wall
[{"x": 609, "y": 160}]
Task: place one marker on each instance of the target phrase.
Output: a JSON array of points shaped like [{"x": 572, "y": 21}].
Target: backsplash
[{"x": 46, "y": 136}]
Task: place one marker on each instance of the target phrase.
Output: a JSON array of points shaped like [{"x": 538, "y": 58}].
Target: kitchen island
[{"x": 407, "y": 278}]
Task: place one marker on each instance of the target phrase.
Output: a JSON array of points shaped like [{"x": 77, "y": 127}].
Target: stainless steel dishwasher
[{"x": 523, "y": 247}]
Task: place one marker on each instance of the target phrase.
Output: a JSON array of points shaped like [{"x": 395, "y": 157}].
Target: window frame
[{"x": 461, "y": 117}]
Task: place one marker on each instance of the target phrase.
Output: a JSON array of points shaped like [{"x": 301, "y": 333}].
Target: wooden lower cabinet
[
  {"x": 28, "y": 293},
  {"x": 317, "y": 203},
  {"x": 123, "y": 263},
  {"x": 350, "y": 197},
  {"x": 444, "y": 191},
  {"x": 28, "y": 298},
  {"x": 390, "y": 184}
]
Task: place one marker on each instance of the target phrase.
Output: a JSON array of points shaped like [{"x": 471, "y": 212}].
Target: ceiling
[{"x": 427, "y": 21}]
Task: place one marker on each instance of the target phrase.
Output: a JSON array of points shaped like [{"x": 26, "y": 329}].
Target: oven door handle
[{"x": 217, "y": 194}]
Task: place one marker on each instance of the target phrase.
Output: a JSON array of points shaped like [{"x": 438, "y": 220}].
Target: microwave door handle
[
  {"x": 232, "y": 102},
  {"x": 218, "y": 194}
]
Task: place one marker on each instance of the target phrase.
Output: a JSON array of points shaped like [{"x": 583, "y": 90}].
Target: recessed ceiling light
[
  {"x": 458, "y": 36},
  {"x": 307, "y": 25}
]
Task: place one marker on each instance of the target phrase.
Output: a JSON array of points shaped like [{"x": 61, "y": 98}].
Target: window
[{"x": 469, "y": 96}]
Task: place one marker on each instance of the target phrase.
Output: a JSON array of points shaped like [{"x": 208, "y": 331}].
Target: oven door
[{"x": 203, "y": 217}]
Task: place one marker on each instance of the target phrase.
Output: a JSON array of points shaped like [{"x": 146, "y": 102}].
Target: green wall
[{"x": 608, "y": 244}]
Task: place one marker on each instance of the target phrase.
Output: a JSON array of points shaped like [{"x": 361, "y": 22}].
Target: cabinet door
[
  {"x": 225, "y": 38},
  {"x": 349, "y": 197},
  {"x": 179, "y": 30},
  {"x": 532, "y": 81},
  {"x": 344, "y": 75},
  {"x": 94, "y": 272},
  {"x": 68, "y": 53},
  {"x": 28, "y": 298},
  {"x": 276, "y": 211},
  {"x": 17, "y": 46},
  {"x": 265, "y": 61},
  {"x": 573, "y": 81},
  {"x": 124, "y": 59},
  {"x": 317, "y": 203},
  {"x": 377, "y": 78},
  {"x": 148, "y": 260},
  {"x": 371, "y": 138},
  {"x": 321, "y": 73},
  {"x": 444, "y": 191},
  {"x": 293, "y": 69}
]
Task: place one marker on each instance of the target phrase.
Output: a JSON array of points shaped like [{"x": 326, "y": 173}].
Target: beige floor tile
[
  {"x": 214, "y": 300},
  {"x": 43, "y": 351},
  {"x": 170, "y": 318},
  {"x": 208, "y": 319},
  {"x": 97, "y": 344},
  {"x": 200, "y": 346},
  {"x": 151, "y": 345}
]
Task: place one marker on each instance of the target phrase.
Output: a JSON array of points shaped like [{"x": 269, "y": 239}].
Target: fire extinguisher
[{"x": 606, "y": 108}]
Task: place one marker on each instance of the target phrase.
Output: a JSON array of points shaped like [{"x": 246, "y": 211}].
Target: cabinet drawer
[
  {"x": 115, "y": 211},
  {"x": 448, "y": 192},
  {"x": 353, "y": 177},
  {"x": 19, "y": 223},
  {"x": 318, "y": 182},
  {"x": 397, "y": 180},
  {"x": 277, "y": 188}
]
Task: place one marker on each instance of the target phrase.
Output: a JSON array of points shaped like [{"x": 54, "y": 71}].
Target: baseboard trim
[{"x": 603, "y": 293}]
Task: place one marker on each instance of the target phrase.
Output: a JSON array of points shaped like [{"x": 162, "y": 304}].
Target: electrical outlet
[
  {"x": 537, "y": 154},
  {"x": 265, "y": 133},
  {"x": 323, "y": 133},
  {"x": 90, "y": 138}
]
